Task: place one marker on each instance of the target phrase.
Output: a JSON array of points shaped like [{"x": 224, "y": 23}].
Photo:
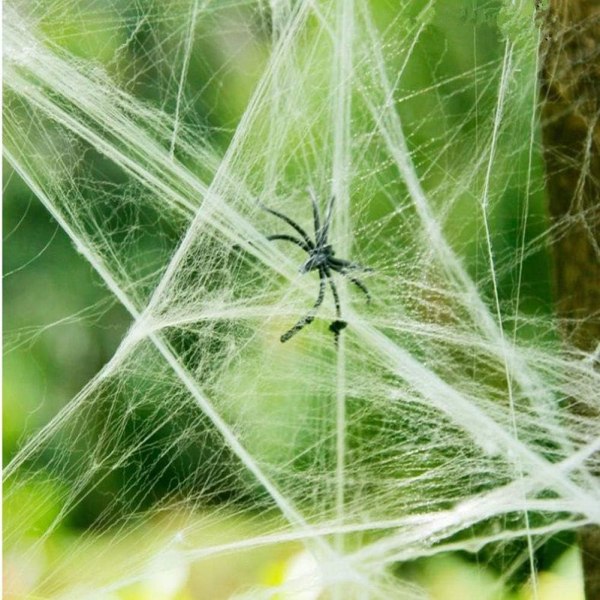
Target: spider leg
[
  {"x": 336, "y": 297},
  {"x": 310, "y": 316},
  {"x": 291, "y": 223},
  {"x": 343, "y": 266},
  {"x": 315, "y": 207},
  {"x": 339, "y": 324},
  {"x": 289, "y": 238},
  {"x": 357, "y": 282},
  {"x": 339, "y": 264},
  {"x": 324, "y": 232},
  {"x": 360, "y": 285}
]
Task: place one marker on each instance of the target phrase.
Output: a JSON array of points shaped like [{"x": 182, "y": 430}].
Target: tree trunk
[{"x": 570, "y": 98}]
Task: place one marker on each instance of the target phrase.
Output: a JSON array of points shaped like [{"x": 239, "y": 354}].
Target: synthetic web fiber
[{"x": 153, "y": 133}]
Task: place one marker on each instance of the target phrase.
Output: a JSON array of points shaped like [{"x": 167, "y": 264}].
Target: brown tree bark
[{"x": 570, "y": 99}]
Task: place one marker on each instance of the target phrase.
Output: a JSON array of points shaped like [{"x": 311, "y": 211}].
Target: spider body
[
  {"x": 321, "y": 258},
  {"x": 317, "y": 258}
]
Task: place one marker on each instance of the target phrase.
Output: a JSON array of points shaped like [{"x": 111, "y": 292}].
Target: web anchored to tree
[{"x": 438, "y": 423}]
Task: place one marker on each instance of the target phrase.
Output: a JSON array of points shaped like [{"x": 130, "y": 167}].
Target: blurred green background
[{"x": 61, "y": 324}]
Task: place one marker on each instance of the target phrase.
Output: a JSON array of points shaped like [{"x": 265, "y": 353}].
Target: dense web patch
[{"x": 154, "y": 133}]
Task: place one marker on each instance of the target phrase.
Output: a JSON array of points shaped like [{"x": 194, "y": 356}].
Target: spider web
[{"x": 439, "y": 422}]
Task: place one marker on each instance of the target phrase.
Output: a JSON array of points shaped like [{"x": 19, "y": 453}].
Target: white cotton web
[{"x": 439, "y": 422}]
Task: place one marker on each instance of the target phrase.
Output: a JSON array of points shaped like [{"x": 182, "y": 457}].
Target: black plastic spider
[{"x": 320, "y": 258}]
